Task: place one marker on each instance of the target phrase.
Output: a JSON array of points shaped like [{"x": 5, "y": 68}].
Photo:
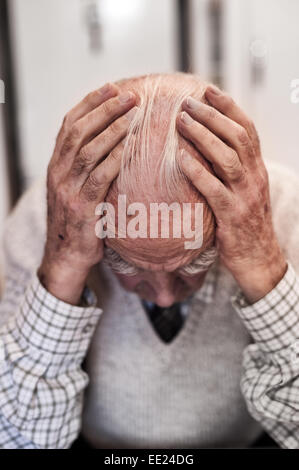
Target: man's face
[
  {"x": 162, "y": 271},
  {"x": 162, "y": 287}
]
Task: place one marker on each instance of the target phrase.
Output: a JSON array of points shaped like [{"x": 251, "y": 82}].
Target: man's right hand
[{"x": 79, "y": 176}]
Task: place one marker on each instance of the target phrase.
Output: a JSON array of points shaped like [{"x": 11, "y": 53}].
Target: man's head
[{"x": 159, "y": 269}]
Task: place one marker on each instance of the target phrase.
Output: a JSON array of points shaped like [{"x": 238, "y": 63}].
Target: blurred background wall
[{"x": 59, "y": 50}]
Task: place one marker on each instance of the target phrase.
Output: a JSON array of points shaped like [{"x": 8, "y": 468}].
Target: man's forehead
[{"x": 158, "y": 254}]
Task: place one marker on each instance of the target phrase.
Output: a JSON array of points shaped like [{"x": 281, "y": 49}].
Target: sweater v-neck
[
  {"x": 132, "y": 304},
  {"x": 166, "y": 352}
]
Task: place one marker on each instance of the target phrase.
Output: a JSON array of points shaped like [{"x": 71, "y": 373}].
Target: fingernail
[
  {"x": 130, "y": 114},
  {"x": 213, "y": 90},
  {"x": 125, "y": 97},
  {"x": 186, "y": 118},
  {"x": 105, "y": 88},
  {"x": 192, "y": 103}
]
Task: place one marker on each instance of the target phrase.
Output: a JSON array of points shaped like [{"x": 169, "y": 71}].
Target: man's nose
[{"x": 165, "y": 289}]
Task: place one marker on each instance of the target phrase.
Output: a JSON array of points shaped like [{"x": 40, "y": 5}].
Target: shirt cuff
[
  {"x": 273, "y": 321},
  {"x": 55, "y": 331}
]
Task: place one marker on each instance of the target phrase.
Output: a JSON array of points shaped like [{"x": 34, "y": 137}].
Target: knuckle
[
  {"x": 78, "y": 167},
  {"x": 75, "y": 131},
  {"x": 103, "y": 178},
  {"x": 67, "y": 120},
  {"x": 261, "y": 185},
  {"x": 67, "y": 146},
  {"x": 94, "y": 180},
  {"x": 211, "y": 113},
  {"x": 92, "y": 188},
  {"x": 85, "y": 156},
  {"x": 242, "y": 136},
  {"x": 62, "y": 195},
  {"x": 117, "y": 126},
  {"x": 114, "y": 155},
  {"x": 249, "y": 124},
  {"x": 106, "y": 107},
  {"x": 232, "y": 165},
  {"x": 256, "y": 140},
  {"x": 70, "y": 139}
]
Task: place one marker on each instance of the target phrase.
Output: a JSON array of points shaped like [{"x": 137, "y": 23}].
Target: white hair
[
  {"x": 201, "y": 264},
  {"x": 161, "y": 97}
]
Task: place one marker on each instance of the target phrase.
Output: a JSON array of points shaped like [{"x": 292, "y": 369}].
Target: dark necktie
[{"x": 167, "y": 322}]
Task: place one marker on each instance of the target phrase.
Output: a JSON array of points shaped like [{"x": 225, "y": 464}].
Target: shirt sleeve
[
  {"x": 270, "y": 381},
  {"x": 42, "y": 346}
]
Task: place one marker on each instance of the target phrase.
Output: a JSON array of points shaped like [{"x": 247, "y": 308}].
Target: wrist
[
  {"x": 63, "y": 281},
  {"x": 257, "y": 281}
]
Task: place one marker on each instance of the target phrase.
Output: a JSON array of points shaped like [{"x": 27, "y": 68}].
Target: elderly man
[{"x": 179, "y": 347}]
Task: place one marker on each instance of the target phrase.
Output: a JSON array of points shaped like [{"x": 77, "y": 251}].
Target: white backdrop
[
  {"x": 259, "y": 38},
  {"x": 264, "y": 35},
  {"x": 56, "y": 67}
]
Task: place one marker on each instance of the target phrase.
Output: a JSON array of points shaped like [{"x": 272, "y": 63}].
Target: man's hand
[
  {"x": 239, "y": 193},
  {"x": 79, "y": 176}
]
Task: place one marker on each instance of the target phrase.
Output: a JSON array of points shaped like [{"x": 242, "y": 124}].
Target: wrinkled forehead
[
  {"x": 162, "y": 240},
  {"x": 156, "y": 255}
]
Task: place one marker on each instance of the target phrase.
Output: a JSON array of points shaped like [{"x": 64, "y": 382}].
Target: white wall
[
  {"x": 274, "y": 24},
  {"x": 56, "y": 68},
  {"x": 4, "y": 202}
]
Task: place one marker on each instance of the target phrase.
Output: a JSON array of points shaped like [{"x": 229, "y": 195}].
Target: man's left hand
[{"x": 238, "y": 194}]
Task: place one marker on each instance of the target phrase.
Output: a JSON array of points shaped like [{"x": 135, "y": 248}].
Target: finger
[
  {"x": 227, "y": 106},
  {"x": 99, "y": 180},
  {"x": 225, "y": 160},
  {"x": 91, "y": 154},
  {"x": 95, "y": 122},
  {"x": 89, "y": 102},
  {"x": 205, "y": 182},
  {"x": 222, "y": 126},
  {"x": 92, "y": 101}
]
